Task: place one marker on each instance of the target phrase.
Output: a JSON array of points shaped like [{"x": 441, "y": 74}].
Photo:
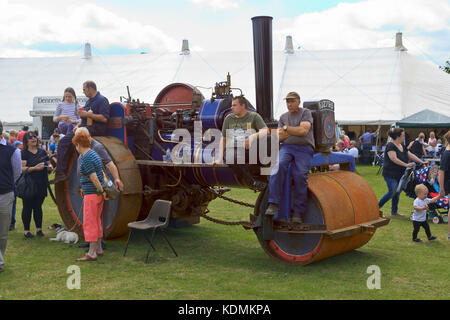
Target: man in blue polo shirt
[
  {"x": 366, "y": 142},
  {"x": 94, "y": 116},
  {"x": 366, "y": 139}
]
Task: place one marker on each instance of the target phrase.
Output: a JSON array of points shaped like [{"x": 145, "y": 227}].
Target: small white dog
[{"x": 63, "y": 234}]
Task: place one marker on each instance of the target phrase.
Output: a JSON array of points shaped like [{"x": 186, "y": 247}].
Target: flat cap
[{"x": 292, "y": 95}]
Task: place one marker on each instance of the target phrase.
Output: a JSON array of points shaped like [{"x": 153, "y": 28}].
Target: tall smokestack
[{"x": 262, "y": 53}]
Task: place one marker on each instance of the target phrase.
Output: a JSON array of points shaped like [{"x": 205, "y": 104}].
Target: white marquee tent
[{"x": 368, "y": 86}]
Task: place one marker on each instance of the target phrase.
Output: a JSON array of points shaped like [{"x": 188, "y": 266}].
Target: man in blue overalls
[{"x": 297, "y": 148}]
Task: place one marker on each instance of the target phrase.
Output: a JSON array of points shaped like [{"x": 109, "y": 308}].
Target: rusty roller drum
[
  {"x": 117, "y": 213},
  {"x": 341, "y": 200}
]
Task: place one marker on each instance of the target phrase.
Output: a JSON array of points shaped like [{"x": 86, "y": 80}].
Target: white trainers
[{"x": 448, "y": 236}]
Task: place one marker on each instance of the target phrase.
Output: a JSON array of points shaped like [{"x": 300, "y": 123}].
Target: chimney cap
[
  {"x": 262, "y": 17},
  {"x": 87, "y": 51},
  {"x": 289, "y": 47},
  {"x": 399, "y": 42},
  {"x": 185, "y": 47}
]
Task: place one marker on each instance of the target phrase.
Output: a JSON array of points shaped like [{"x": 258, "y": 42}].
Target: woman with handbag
[
  {"x": 396, "y": 160},
  {"x": 34, "y": 164},
  {"x": 92, "y": 181}
]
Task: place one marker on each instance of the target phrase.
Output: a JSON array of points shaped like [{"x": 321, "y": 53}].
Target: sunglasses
[{"x": 31, "y": 136}]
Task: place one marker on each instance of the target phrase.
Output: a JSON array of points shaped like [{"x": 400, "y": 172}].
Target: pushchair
[
  {"x": 379, "y": 158},
  {"x": 438, "y": 211}
]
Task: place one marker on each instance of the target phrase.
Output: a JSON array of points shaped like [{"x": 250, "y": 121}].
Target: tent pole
[{"x": 376, "y": 145}]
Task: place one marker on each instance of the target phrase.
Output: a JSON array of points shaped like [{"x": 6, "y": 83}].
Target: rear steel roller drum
[
  {"x": 338, "y": 199},
  {"x": 117, "y": 213}
]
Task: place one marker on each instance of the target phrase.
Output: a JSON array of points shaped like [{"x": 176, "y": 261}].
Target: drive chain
[
  {"x": 245, "y": 224},
  {"x": 237, "y": 202}
]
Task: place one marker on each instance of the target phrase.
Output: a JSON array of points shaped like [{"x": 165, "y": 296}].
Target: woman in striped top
[
  {"x": 93, "y": 195},
  {"x": 67, "y": 112}
]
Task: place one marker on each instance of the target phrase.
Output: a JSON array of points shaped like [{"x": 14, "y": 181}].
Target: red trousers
[{"x": 92, "y": 222}]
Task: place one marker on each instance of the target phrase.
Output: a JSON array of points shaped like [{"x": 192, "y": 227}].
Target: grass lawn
[{"x": 222, "y": 262}]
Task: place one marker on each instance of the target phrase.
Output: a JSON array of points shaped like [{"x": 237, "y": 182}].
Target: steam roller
[{"x": 342, "y": 211}]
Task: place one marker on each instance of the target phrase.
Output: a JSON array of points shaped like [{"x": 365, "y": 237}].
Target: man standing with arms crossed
[{"x": 297, "y": 148}]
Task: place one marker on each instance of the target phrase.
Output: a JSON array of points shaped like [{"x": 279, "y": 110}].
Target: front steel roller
[
  {"x": 117, "y": 213},
  {"x": 341, "y": 200}
]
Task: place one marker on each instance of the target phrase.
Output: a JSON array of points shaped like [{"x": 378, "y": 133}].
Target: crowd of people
[
  {"x": 397, "y": 158},
  {"x": 399, "y": 155},
  {"x": 357, "y": 149},
  {"x": 21, "y": 153},
  {"x": 365, "y": 143},
  {"x": 420, "y": 148}
]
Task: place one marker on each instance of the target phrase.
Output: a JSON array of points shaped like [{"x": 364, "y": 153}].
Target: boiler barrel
[
  {"x": 225, "y": 176},
  {"x": 342, "y": 201}
]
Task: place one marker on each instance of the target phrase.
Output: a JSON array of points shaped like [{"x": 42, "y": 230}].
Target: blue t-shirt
[
  {"x": 367, "y": 137},
  {"x": 90, "y": 163},
  {"x": 52, "y": 147},
  {"x": 99, "y": 105}
]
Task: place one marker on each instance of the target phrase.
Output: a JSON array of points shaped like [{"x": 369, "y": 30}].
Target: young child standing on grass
[{"x": 420, "y": 212}]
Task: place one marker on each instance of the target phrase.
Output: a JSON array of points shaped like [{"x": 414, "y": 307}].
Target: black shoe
[
  {"x": 40, "y": 233},
  {"x": 28, "y": 235},
  {"x": 59, "y": 176},
  {"x": 258, "y": 185},
  {"x": 251, "y": 182},
  {"x": 432, "y": 238},
  {"x": 11, "y": 227},
  {"x": 272, "y": 209},
  {"x": 296, "y": 217}
]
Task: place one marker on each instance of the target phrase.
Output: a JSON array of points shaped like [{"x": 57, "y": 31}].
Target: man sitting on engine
[
  {"x": 297, "y": 148},
  {"x": 240, "y": 130}
]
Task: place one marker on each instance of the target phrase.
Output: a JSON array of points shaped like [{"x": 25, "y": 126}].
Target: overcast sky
[{"x": 56, "y": 28}]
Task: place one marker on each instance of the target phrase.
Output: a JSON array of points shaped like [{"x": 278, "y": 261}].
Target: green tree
[{"x": 446, "y": 67}]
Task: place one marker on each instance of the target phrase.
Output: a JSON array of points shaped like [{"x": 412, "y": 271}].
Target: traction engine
[{"x": 144, "y": 143}]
